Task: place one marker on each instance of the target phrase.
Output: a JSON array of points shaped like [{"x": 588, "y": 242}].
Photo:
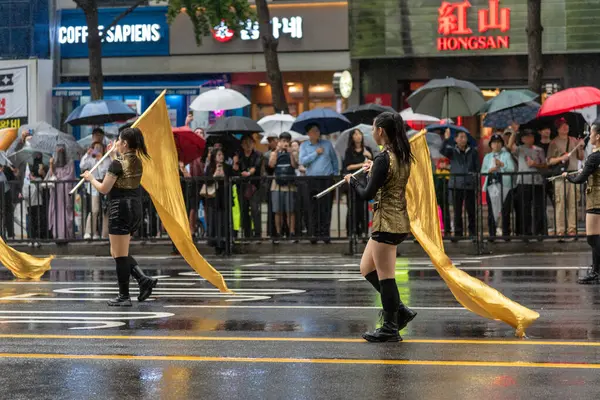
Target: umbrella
[
  {"x": 569, "y": 100},
  {"x": 275, "y": 125},
  {"x": 219, "y": 99},
  {"x": 189, "y": 145},
  {"x": 328, "y": 121},
  {"x": 454, "y": 129},
  {"x": 520, "y": 114},
  {"x": 434, "y": 142},
  {"x": 409, "y": 115},
  {"x": 100, "y": 112},
  {"x": 508, "y": 99},
  {"x": 575, "y": 120},
  {"x": 341, "y": 144},
  {"x": 87, "y": 140},
  {"x": 295, "y": 136},
  {"x": 25, "y": 155},
  {"x": 365, "y": 113},
  {"x": 47, "y": 142},
  {"x": 447, "y": 98},
  {"x": 233, "y": 125}
]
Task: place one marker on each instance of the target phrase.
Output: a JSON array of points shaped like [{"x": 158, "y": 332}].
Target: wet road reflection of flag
[
  {"x": 473, "y": 294},
  {"x": 161, "y": 181}
]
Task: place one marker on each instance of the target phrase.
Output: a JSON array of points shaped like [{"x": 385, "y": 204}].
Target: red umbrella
[
  {"x": 569, "y": 100},
  {"x": 189, "y": 145}
]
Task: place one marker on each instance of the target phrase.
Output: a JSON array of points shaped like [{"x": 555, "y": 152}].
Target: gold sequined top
[
  {"x": 387, "y": 186},
  {"x": 127, "y": 168},
  {"x": 591, "y": 174}
]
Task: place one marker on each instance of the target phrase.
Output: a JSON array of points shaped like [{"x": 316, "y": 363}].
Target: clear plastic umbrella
[
  {"x": 274, "y": 125},
  {"x": 341, "y": 144}
]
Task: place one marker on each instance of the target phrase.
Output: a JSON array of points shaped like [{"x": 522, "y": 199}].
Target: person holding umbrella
[
  {"x": 122, "y": 184},
  {"x": 321, "y": 161},
  {"x": 388, "y": 178}
]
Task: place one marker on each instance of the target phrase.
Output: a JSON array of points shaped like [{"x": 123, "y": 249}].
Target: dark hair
[
  {"x": 308, "y": 127},
  {"x": 496, "y": 138},
  {"x": 101, "y": 144},
  {"x": 285, "y": 136},
  {"x": 595, "y": 126},
  {"x": 393, "y": 125},
  {"x": 98, "y": 130},
  {"x": 350, "y": 146},
  {"x": 135, "y": 141},
  {"x": 212, "y": 163}
]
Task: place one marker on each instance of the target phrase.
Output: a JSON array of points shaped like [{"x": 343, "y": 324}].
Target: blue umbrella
[
  {"x": 520, "y": 114},
  {"x": 454, "y": 129},
  {"x": 100, "y": 112},
  {"x": 328, "y": 121}
]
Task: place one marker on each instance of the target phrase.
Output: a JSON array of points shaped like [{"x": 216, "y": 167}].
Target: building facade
[{"x": 143, "y": 54}]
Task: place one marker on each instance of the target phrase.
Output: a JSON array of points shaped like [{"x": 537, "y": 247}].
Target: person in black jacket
[{"x": 464, "y": 165}]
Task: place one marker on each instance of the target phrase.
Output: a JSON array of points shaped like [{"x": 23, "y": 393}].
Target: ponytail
[
  {"x": 393, "y": 125},
  {"x": 135, "y": 141}
]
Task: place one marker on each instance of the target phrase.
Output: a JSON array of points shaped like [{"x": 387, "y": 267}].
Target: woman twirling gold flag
[{"x": 473, "y": 294}]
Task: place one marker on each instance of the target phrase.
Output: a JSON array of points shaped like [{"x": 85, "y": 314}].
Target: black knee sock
[
  {"x": 390, "y": 298},
  {"x": 132, "y": 261},
  {"x": 123, "y": 271},
  {"x": 594, "y": 242},
  {"x": 373, "y": 280}
]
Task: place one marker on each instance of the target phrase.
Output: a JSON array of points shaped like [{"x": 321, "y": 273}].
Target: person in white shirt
[{"x": 93, "y": 155}]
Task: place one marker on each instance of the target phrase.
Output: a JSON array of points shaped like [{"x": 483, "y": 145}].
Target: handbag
[{"x": 208, "y": 191}]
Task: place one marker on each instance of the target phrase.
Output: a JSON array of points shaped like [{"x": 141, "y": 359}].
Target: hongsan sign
[{"x": 457, "y": 35}]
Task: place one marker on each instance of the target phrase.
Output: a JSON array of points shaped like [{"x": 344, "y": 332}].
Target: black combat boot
[
  {"x": 145, "y": 283},
  {"x": 592, "y": 277},
  {"x": 405, "y": 315},
  {"x": 123, "y": 271},
  {"x": 388, "y": 332}
]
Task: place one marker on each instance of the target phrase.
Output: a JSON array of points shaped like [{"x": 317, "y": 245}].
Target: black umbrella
[
  {"x": 100, "y": 112},
  {"x": 365, "y": 113},
  {"x": 233, "y": 125},
  {"x": 447, "y": 98}
]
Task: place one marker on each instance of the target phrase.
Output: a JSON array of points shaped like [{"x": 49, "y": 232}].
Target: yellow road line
[
  {"x": 301, "y": 360},
  {"x": 300, "y": 339}
]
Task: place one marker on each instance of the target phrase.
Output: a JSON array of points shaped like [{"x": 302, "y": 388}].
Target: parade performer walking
[
  {"x": 122, "y": 184},
  {"x": 591, "y": 174},
  {"x": 388, "y": 177}
]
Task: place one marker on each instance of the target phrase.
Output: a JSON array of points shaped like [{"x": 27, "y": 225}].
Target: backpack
[{"x": 284, "y": 172}]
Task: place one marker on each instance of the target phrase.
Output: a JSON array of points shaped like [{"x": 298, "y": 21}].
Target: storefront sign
[
  {"x": 291, "y": 27},
  {"x": 143, "y": 32},
  {"x": 13, "y": 97},
  {"x": 457, "y": 35}
]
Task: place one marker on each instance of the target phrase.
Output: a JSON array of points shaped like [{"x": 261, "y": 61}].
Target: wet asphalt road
[{"x": 292, "y": 331}]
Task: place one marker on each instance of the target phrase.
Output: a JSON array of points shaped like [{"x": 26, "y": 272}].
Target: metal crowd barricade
[{"x": 242, "y": 211}]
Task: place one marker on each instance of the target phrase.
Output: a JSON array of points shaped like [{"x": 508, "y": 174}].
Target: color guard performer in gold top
[
  {"x": 591, "y": 174},
  {"x": 388, "y": 177},
  {"x": 122, "y": 183}
]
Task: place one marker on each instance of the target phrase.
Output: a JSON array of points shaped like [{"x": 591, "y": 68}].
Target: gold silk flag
[
  {"x": 161, "y": 181},
  {"x": 23, "y": 265},
  {"x": 473, "y": 294}
]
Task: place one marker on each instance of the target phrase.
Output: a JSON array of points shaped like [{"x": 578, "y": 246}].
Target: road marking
[
  {"x": 272, "y": 360},
  {"x": 508, "y": 342},
  {"x": 312, "y": 307},
  {"x": 100, "y": 319}
]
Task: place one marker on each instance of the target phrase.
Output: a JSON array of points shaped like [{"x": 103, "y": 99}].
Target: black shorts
[
  {"x": 389, "y": 238},
  {"x": 595, "y": 211},
  {"x": 124, "y": 215}
]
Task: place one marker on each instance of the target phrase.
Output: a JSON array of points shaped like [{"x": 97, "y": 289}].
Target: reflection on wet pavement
[{"x": 292, "y": 330}]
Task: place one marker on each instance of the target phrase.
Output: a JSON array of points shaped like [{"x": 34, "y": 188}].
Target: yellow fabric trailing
[
  {"x": 161, "y": 181},
  {"x": 23, "y": 265},
  {"x": 470, "y": 292}
]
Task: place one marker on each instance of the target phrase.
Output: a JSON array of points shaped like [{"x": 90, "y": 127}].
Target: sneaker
[
  {"x": 37, "y": 245},
  {"x": 29, "y": 244},
  {"x": 96, "y": 237},
  {"x": 87, "y": 236},
  {"x": 276, "y": 239}
]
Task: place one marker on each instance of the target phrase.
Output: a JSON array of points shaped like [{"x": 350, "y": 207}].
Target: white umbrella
[
  {"x": 219, "y": 99},
  {"x": 295, "y": 136},
  {"x": 274, "y": 125},
  {"x": 87, "y": 140},
  {"x": 341, "y": 144},
  {"x": 409, "y": 115}
]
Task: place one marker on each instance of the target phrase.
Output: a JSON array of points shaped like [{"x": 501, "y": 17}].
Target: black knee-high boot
[
  {"x": 593, "y": 276},
  {"x": 123, "y": 271},
  {"x": 405, "y": 314},
  {"x": 390, "y": 298},
  {"x": 145, "y": 283}
]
